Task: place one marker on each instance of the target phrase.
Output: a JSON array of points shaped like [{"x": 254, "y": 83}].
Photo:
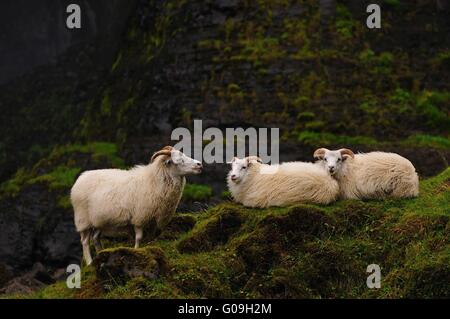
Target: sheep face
[
  {"x": 333, "y": 160},
  {"x": 183, "y": 165},
  {"x": 239, "y": 168}
]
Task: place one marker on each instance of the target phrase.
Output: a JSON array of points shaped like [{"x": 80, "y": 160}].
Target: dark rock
[
  {"x": 59, "y": 274},
  {"x": 31, "y": 281},
  {"x": 42, "y": 44},
  {"x": 22, "y": 285},
  {"x": 34, "y": 229},
  {"x": 5, "y": 274}
]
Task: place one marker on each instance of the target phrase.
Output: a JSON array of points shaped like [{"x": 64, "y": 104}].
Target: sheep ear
[
  {"x": 232, "y": 161},
  {"x": 346, "y": 153},
  {"x": 253, "y": 159},
  {"x": 319, "y": 153}
]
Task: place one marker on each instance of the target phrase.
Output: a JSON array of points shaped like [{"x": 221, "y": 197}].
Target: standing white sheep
[
  {"x": 370, "y": 175},
  {"x": 260, "y": 185},
  {"x": 113, "y": 199}
]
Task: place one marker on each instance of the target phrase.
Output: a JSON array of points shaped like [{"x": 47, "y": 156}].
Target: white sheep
[
  {"x": 254, "y": 184},
  {"x": 370, "y": 175},
  {"x": 113, "y": 199}
]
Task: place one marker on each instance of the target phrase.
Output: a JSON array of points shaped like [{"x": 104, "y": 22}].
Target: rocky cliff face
[
  {"x": 35, "y": 33},
  {"x": 141, "y": 68}
]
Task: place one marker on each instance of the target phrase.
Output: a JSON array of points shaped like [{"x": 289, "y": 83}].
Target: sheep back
[
  {"x": 378, "y": 175},
  {"x": 113, "y": 198}
]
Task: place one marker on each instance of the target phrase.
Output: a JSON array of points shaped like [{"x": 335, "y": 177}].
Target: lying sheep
[
  {"x": 371, "y": 175},
  {"x": 113, "y": 199},
  {"x": 260, "y": 185}
]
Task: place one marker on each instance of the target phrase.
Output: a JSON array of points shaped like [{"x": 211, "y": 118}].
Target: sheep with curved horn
[
  {"x": 113, "y": 199},
  {"x": 370, "y": 175}
]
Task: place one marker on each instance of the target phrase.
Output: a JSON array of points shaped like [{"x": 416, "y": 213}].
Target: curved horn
[
  {"x": 346, "y": 151},
  {"x": 255, "y": 158},
  {"x": 319, "y": 153},
  {"x": 166, "y": 150}
]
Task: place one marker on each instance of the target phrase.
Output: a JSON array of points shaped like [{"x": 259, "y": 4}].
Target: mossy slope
[{"x": 302, "y": 251}]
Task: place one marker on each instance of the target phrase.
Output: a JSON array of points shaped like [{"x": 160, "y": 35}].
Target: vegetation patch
[
  {"x": 60, "y": 169},
  {"x": 215, "y": 231},
  {"x": 279, "y": 233},
  {"x": 179, "y": 225},
  {"x": 118, "y": 265},
  {"x": 197, "y": 192}
]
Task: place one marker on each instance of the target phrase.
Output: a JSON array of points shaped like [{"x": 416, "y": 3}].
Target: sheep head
[
  {"x": 239, "y": 167},
  {"x": 177, "y": 162},
  {"x": 333, "y": 160}
]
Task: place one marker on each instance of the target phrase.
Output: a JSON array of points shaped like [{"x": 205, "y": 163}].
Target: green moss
[
  {"x": 60, "y": 178},
  {"x": 428, "y": 141},
  {"x": 215, "y": 231},
  {"x": 344, "y": 22},
  {"x": 441, "y": 59},
  {"x": 60, "y": 168},
  {"x": 328, "y": 139},
  {"x": 433, "y": 106},
  {"x": 225, "y": 195},
  {"x": 115, "y": 266},
  {"x": 180, "y": 224},
  {"x": 393, "y": 3},
  {"x": 13, "y": 185},
  {"x": 315, "y": 139},
  {"x": 64, "y": 202},
  {"x": 98, "y": 150},
  {"x": 117, "y": 62},
  {"x": 196, "y": 192},
  {"x": 105, "y": 107}
]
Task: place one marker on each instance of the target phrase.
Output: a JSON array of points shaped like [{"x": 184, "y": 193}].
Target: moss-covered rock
[
  {"x": 277, "y": 234},
  {"x": 179, "y": 225},
  {"x": 215, "y": 231},
  {"x": 118, "y": 265}
]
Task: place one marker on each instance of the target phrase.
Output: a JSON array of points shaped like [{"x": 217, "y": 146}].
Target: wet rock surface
[
  {"x": 32, "y": 280},
  {"x": 33, "y": 228}
]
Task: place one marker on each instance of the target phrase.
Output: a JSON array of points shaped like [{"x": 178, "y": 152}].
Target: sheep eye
[
  {"x": 339, "y": 159},
  {"x": 244, "y": 167},
  {"x": 325, "y": 159}
]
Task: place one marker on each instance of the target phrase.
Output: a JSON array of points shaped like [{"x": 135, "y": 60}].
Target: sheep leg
[
  {"x": 85, "y": 237},
  {"x": 96, "y": 239},
  {"x": 138, "y": 235}
]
